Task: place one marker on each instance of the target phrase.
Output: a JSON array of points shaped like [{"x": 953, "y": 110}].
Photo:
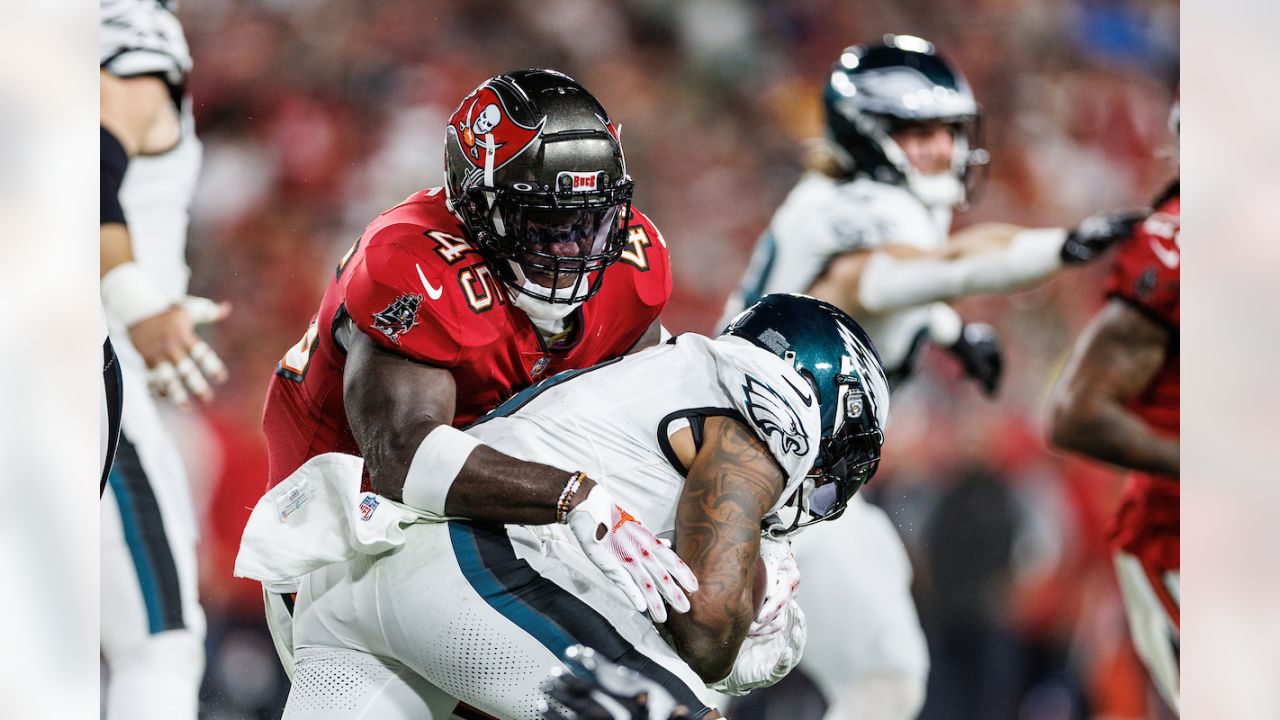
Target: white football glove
[
  {"x": 191, "y": 375},
  {"x": 782, "y": 582},
  {"x": 179, "y": 364},
  {"x": 765, "y": 659},
  {"x": 628, "y": 553}
]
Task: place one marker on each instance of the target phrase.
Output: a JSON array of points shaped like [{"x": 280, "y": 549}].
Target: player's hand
[
  {"x": 764, "y": 660},
  {"x": 1097, "y": 233},
  {"x": 783, "y": 582},
  {"x": 179, "y": 363},
  {"x": 593, "y": 688},
  {"x": 978, "y": 350},
  {"x": 630, "y": 555}
]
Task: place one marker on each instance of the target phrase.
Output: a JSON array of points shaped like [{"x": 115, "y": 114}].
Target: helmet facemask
[
  {"x": 874, "y": 89},
  {"x": 535, "y": 170},
  {"x": 550, "y": 246},
  {"x": 958, "y": 187},
  {"x": 846, "y": 459}
]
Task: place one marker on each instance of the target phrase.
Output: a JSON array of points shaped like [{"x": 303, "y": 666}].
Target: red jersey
[
  {"x": 1146, "y": 276},
  {"x": 415, "y": 286}
]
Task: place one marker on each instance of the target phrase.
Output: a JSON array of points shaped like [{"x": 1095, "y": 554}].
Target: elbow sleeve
[
  {"x": 114, "y": 162},
  {"x": 889, "y": 283}
]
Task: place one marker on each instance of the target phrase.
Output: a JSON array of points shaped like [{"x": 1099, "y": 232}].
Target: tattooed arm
[{"x": 732, "y": 481}]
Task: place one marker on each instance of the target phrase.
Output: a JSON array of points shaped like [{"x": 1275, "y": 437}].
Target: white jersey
[
  {"x": 613, "y": 421},
  {"x": 152, "y": 634},
  {"x": 143, "y": 37},
  {"x": 823, "y": 218},
  {"x": 481, "y": 613},
  {"x": 156, "y": 196}
]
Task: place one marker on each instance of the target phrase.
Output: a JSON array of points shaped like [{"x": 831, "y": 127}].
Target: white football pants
[
  {"x": 476, "y": 614},
  {"x": 152, "y": 625},
  {"x": 866, "y": 650},
  {"x": 1152, "y": 603},
  {"x": 152, "y": 636}
]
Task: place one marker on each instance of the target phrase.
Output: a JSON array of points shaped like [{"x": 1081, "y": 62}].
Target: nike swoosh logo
[
  {"x": 806, "y": 399},
  {"x": 1170, "y": 258},
  {"x": 432, "y": 292}
]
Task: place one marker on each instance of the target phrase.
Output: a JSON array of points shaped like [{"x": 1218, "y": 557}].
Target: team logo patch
[
  {"x": 483, "y": 113},
  {"x": 367, "y": 506},
  {"x": 773, "y": 414},
  {"x": 399, "y": 317},
  {"x": 578, "y": 181},
  {"x": 539, "y": 366}
]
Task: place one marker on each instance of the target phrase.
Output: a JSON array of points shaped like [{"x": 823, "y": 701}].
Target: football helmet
[
  {"x": 535, "y": 170},
  {"x": 830, "y": 350},
  {"x": 876, "y": 88}
]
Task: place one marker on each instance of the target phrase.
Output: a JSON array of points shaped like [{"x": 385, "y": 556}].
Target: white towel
[{"x": 318, "y": 516}]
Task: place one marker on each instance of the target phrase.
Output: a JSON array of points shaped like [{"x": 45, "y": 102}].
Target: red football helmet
[{"x": 535, "y": 169}]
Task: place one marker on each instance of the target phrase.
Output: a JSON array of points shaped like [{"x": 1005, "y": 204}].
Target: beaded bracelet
[{"x": 567, "y": 495}]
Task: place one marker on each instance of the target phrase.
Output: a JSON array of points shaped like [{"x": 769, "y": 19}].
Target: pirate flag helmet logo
[
  {"x": 535, "y": 171},
  {"x": 483, "y": 118}
]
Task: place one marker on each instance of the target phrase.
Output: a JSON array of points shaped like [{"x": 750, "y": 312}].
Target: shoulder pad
[
  {"x": 648, "y": 261},
  {"x": 142, "y": 37},
  {"x": 775, "y": 401},
  {"x": 396, "y": 293}
]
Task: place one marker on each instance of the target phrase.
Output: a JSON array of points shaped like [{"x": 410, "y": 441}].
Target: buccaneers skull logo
[{"x": 482, "y": 125}]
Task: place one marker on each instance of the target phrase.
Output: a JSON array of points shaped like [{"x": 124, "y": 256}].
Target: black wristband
[{"x": 114, "y": 162}]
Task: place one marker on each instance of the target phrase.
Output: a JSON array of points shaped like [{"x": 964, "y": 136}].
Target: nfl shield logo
[
  {"x": 367, "y": 506},
  {"x": 539, "y": 365}
]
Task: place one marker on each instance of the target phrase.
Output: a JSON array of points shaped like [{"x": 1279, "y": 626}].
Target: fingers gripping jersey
[
  {"x": 143, "y": 37},
  {"x": 613, "y": 421},
  {"x": 1146, "y": 276},
  {"x": 417, "y": 288}
]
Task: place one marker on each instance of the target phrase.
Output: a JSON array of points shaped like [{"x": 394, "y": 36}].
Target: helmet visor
[
  {"x": 850, "y": 461},
  {"x": 557, "y": 244},
  {"x": 559, "y": 241}
]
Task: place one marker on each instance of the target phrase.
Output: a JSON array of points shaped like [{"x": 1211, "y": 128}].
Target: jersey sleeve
[
  {"x": 142, "y": 37},
  {"x": 776, "y": 402},
  {"x": 389, "y": 298},
  {"x": 1146, "y": 270}
]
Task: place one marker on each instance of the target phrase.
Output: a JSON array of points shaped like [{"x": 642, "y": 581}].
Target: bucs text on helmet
[
  {"x": 830, "y": 350},
  {"x": 535, "y": 169},
  {"x": 877, "y": 88}
]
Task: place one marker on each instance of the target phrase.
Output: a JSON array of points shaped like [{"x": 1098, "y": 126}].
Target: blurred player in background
[
  {"x": 1117, "y": 402},
  {"x": 530, "y": 261},
  {"x": 867, "y": 230},
  {"x": 152, "y": 624},
  {"x": 775, "y": 424}
]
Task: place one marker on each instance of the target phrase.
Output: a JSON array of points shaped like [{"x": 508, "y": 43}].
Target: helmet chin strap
[{"x": 547, "y": 317}]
